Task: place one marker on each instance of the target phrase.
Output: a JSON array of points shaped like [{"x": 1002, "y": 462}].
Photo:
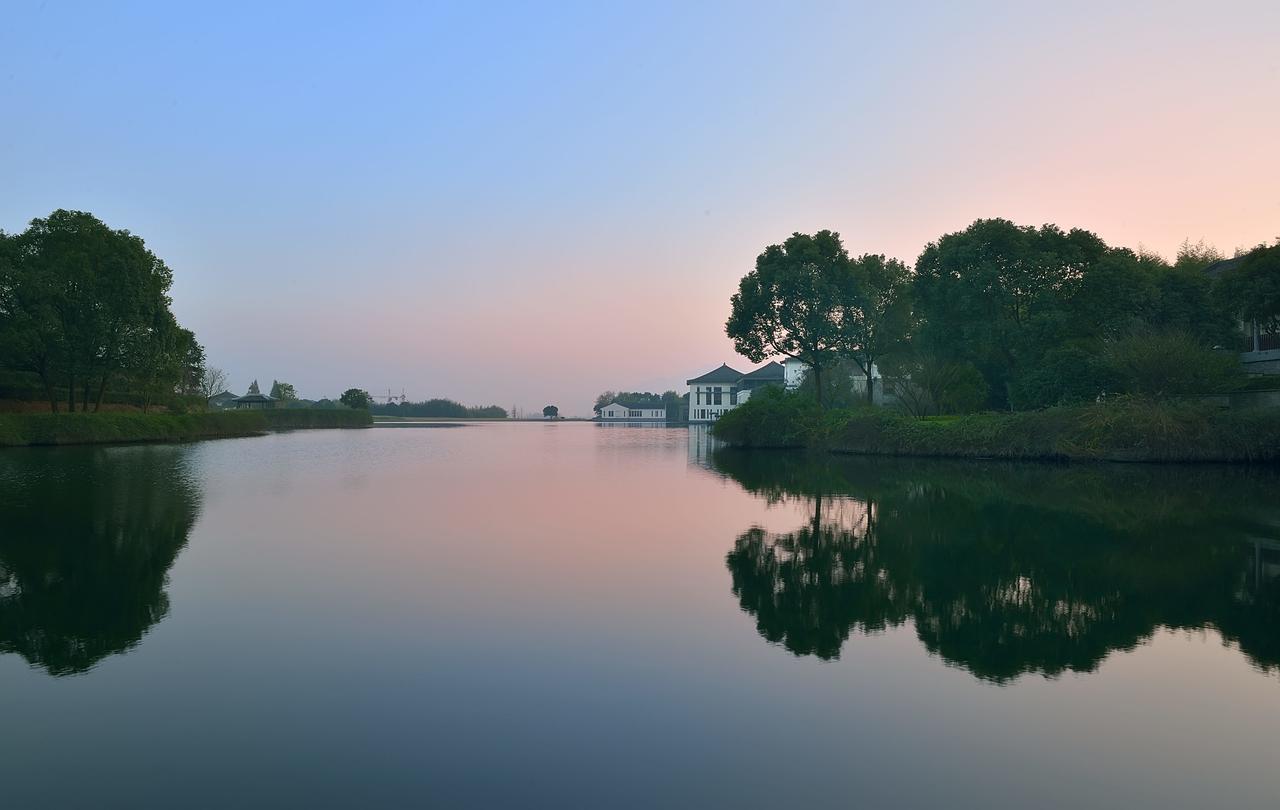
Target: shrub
[
  {"x": 926, "y": 385},
  {"x": 1169, "y": 365},
  {"x": 771, "y": 418}
]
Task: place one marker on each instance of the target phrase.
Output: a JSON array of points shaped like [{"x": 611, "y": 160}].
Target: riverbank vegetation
[
  {"x": 1007, "y": 341},
  {"x": 1126, "y": 428},
  {"x": 32, "y": 429}
]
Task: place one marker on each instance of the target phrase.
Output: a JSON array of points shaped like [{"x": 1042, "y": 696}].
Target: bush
[
  {"x": 102, "y": 428},
  {"x": 926, "y": 385},
  {"x": 1168, "y": 366},
  {"x": 772, "y": 417},
  {"x": 1123, "y": 428}
]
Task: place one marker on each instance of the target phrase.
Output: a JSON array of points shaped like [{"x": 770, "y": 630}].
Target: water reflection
[
  {"x": 1009, "y": 569},
  {"x": 89, "y": 536}
]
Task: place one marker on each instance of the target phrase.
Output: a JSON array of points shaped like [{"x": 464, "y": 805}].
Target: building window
[{"x": 717, "y": 397}]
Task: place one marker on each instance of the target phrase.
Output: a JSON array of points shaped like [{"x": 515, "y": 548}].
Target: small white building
[{"x": 632, "y": 412}]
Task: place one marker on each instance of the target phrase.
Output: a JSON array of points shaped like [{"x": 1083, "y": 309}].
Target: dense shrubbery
[
  {"x": 105, "y": 428},
  {"x": 1124, "y": 428},
  {"x": 20, "y": 429}
]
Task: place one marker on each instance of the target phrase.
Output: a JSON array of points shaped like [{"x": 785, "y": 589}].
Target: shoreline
[{"x": 68, "y": 429}]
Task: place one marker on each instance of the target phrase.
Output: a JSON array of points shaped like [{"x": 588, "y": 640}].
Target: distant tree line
[
  {"x": 439, "y": 407},
  {"x": 1002, "y": 316},
  {"x": 84, "y": 310}
]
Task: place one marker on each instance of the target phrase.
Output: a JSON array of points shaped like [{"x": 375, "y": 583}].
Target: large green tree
[
  {"x": 78, "y": 301},
  {"x": 795, "y": 303},
  {"x": 1252, "y": 288},
  {"x": 878, "y": 314}
]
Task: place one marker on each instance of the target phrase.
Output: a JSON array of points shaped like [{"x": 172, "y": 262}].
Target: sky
[{"x": 527, "y": 204}]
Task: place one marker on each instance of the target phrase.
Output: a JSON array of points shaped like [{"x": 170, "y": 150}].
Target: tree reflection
[
  {"x": 89, "y": 536},
  {"x": 1009, "y": 569}
]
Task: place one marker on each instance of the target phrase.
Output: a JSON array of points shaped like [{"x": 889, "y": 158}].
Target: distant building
[
  {"x": 725, "y": 388},
  {"x": 222, "y": 401},
  {"x": 255, "y": 399},
  {"x": 633, "y": 412}
]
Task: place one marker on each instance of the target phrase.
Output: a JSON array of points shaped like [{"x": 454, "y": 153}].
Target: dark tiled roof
[
  {"x": 635, "y": 405},
  {"x": 1219, "y": 267},
  {"x": 223, "y": 395},
  {"x": 772, "y": 370},
  {"x": 724, "y": 374},
  {"x": 255, "y": 398}
]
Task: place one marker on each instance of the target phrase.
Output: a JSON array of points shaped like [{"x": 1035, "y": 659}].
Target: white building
[
  {"x": 726, "y": 388},
  {"x": 631, "y": 412}
]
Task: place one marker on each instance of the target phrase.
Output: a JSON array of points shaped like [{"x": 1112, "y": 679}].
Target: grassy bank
[
  {"x": 1122, "y": 430},
  {"x": 105, "y": 428},
  {"x": 23, "y": 429}
]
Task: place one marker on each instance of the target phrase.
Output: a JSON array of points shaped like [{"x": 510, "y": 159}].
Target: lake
[{"x": 570, "y": 614}]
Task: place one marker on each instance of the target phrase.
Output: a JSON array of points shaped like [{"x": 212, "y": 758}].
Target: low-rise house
[
  {"x": 633, "y": 412},
  {"x": 255, "y": 399},
  {"x": 222, "y": 401}
]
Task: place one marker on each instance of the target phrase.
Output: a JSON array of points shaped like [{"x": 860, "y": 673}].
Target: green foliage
[
  {"x": 878, "y": 318},
  {"x": 1252, "y": 288},
  {"x": 772, "y": 417},
  {"x": 1126, "y": 428},
  {"x": 356, "y": 398},
  {"x": 1169, "y": 365},
  {"x": 927, "y": 385},
  {"x": 1027, "y": 305},
  {"x": 283, "y": 391},
  {"x": 106, "y": 428},
  {"x": 550, "y": 411},
  {"x": 85, "y": 307},
  {"x": 440, "y": 408},
  {"x": 794, "y": 303}
]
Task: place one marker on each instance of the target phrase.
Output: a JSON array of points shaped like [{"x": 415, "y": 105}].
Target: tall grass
[
  {"x": 296, "y": 418},
  {"x": 104, "y": 428}
]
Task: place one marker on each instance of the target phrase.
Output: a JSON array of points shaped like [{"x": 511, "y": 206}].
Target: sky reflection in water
[{"x": 572, "y": 614}]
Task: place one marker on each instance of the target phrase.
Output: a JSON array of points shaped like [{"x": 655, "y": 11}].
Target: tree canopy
[
  {"x": 795, "y": 303},
  {"x": 84, "y": 307},
  {"x": 356, "y": 398}
]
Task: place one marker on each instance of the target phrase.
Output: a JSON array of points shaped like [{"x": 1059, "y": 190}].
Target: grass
[
  {"x": 1126, "y": 429},
  {"x": 27, "y": 429}
]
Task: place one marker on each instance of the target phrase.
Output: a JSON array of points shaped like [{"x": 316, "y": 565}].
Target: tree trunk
[
  {"x": 102, "y": 390},
  {"x": 817, "y": 383},
  {"x": 84, "y": 394},
  {"x": 71, "y": 392},
  {"x": 48, "y": 390},
  {"x": 871, "y": 391}
]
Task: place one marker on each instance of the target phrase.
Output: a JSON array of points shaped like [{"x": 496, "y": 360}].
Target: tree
[
  {"x": 604, "y": 399},
  {"x": 551, "y": 412},
  {"x": 78, "y": 299},
  {"x": 1252, "y": 288},
  {"x": 283, "y": 391},
  {"x": 795, "y": 303},
  {"x": 927, "y": 385},
  {"x": 879, "y": 312},
  {"x": 356, "y": 398},
  {"x": 997, "y": 294},
  {"x": 213, "y": 382}
]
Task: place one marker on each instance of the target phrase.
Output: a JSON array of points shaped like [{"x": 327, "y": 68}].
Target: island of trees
[{"x": 1007, "y": 340}]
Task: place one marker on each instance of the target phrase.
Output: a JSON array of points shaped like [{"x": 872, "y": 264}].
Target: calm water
[{"x": 577, "y": 615}]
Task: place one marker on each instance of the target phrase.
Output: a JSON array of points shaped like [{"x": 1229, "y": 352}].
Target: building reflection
[
  {"x": 1005, "y": 570},
  {"x": 89, "y": 537}
]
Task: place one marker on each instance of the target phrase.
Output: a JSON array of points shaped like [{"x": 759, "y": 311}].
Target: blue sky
[{"x": 522, "y": 204}]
